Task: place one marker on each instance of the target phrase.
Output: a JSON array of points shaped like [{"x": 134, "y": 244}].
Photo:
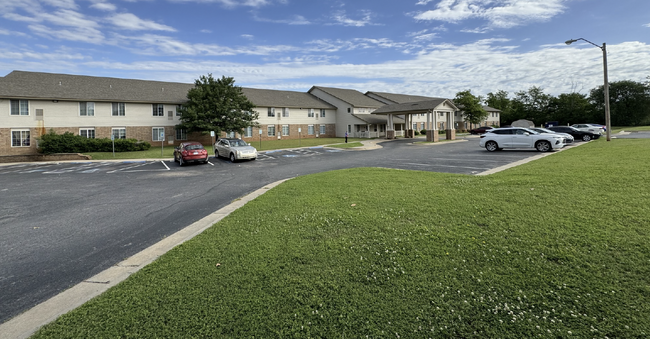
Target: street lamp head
[{"x": 569, "y": 42}]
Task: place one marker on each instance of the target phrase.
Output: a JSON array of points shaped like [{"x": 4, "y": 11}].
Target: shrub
[
  {"x": 416, "y": 132},
  {"x": 423, "y": 132},
  {"x": 70, "y": 143}
]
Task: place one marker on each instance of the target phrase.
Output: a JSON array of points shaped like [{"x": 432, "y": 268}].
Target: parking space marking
[{"x": 439, "y": 165}]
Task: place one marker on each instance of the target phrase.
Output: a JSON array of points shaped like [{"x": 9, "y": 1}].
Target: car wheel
[
  {"x": 216, "y": 154},
  {"x": 586, "y": 137},
  {"x": 180, "y": 161},
  {"x": 491, "y": 146},
  {"x": 543, "y": 146},
  {"x": 232, "y": 157},
  {"x": 175, "y": 160}
]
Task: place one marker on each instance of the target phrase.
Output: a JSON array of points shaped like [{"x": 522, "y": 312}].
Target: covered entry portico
[{"x": 439, "y": 112}]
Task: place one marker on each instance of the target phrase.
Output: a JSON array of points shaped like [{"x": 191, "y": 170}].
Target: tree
[
  {"x": 217, "y": 105},
  {"x": 532, "y": 105},
  {"x": 473, "y": 111},
  {"x": 629, "y": 102},
  {"x": 572, "y": 108},
  {"x": 500, "y": 101}
]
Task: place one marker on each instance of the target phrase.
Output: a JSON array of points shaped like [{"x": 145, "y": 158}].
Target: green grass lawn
[
  {"x": 347, "y": 145},
  {"x": 556, "y": 248},
  {"x": 168, "y": 151}
]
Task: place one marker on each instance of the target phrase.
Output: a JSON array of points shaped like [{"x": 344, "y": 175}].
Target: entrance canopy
[{"x": 428, "y": 107}]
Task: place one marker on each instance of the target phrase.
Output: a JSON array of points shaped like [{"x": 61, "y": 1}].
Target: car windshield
[
  {"x": 238, "y": 143},
  {"x": 193, "y": 147}
]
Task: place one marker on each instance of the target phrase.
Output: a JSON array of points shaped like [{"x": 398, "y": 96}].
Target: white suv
[
  {"x": 517, "y": 137},
  {"x": 596, "y": 129}
]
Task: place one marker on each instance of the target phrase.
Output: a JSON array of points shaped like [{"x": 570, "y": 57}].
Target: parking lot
[{"x": 63, "y": 222}]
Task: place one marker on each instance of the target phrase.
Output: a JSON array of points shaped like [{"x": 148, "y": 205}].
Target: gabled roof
[
  {"x": 290, "y": 99},
  {"x": 350, "y": 96},
  {"x": 52, "y": 86},
  {"x": 401, "y": 98},
  {"x": 414, "y": 107}
]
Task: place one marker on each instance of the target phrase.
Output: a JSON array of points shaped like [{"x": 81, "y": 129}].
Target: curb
[
  {"x": 27, "y": 323},
  {"x": 524, "y": 161}
]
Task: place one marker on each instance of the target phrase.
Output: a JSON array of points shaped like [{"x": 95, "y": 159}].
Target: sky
[{"x": 421, "y": 47}]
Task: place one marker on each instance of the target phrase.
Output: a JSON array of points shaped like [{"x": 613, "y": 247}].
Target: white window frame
[
  {"x": 158, "y": 110},
  {"x": 86, "y": 109},
  {"x": 181, "y": 134},
  {"x": 19, "y": 107},
  {"x": 285, "y": 112},
  {"x": 322, "y": 129},
  {"x": 178, "y": 110},
  {"x": 230, "y": 134},
  {"x": 119, "y": 134},
  {"x": 24, "y": 138},
  {"x": 285, "y": 128},
  {"x": 310, "y": 113},
  {"x": 84, "y": 132},
  {"x": 155, "y": 133},
  {"x": 118, "y": 109},
  {"x": 322, "y": 113},
  {"x": 310, "y": 129},
  {"x": 270, "y": 112},
  {"x": 270, "y": 130},
  {"x": 248, "y": 132}
]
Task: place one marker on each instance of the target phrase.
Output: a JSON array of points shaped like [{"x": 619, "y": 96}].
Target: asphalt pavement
[{"x": 62, "y": 223}]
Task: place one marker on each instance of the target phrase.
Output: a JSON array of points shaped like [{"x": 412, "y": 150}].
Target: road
[{"x": 62, "y": 223}]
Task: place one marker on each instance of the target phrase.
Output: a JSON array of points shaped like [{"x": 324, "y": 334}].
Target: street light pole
[{"x": 606, "y": 84}]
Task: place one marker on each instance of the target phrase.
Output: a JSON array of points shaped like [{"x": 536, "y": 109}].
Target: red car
[{"x": 190, "y": 152}]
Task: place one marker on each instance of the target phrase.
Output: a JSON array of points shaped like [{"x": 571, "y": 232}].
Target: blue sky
[{"x": 423, "y": 47}]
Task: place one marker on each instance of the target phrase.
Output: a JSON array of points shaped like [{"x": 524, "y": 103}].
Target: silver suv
[{"x": 518, "y": 137}]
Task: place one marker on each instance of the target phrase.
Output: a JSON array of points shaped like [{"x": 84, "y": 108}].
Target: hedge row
[{"x": 70, "y": 143}]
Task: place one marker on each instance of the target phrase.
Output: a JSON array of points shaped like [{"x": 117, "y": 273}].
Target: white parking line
[{"x": 165, "y": 165}]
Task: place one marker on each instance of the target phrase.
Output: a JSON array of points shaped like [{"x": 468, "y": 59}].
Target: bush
[
  {"x": 423, "y": 132},
  {"x": 70, "y": 143},
  {"x": 416, "y": 132}
]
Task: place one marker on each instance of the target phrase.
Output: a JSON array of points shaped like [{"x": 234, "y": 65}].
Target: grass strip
[{"x": 559, "y": 247}]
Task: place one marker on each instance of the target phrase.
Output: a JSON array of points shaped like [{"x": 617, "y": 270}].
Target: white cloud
[
  {"x": 88, "y": 34},
  {"x": 68, "y": 4},
  {"x": 340, "y": 18},
  {"x": 68, "y": 18},
  {"x": 236, "y": 3},
  {"x": 131, "y": 22},
  {"x": 498, "y": 13},
  {"x": 207, "y": 31},
  {"x": 646, "y": 25},
  {"x": 296, "y": 20},
  {"x": 104, "y": 6},
  {"x": 247, "y": 36}
]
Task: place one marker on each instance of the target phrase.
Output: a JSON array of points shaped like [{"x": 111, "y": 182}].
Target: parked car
[
  {"x": 568, "y": 138},
  {"x": 577, "y": 134},
  {"x": 191, "y": 151},
  {"x": 590, "y": 128},
  {"x": 480, "y": 130},
  {"x": 519, "y": 137},
  {"x": 235, "y": 149}
]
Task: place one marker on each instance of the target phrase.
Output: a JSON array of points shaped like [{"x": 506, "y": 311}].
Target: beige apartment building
[{"x": 33, "y": 103}]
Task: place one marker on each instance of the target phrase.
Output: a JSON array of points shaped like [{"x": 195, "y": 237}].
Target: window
[
  {"x": 19, "y": 107},
  {"x": 86, "y": 109},
  {"x": 248, "y": 132},
  {"x": 271, "y": 112},
  {"x": 322, "y": 129},
  {"x": 119, "y": 133},
  {"x": 285, "y": 130},
  {"x": 118, "y": 109},
  {"x": 181, "y": 134},
  {"x": 285, "y": 112},
  {"x": 349, "y": 128},
  {"x": 270, "y": 130},
  {"x": 178, "y": 111},
  {"x": 20, "y": 138},
  {"x": 230, "y": 134},
  {"x": 310, "y": 113},
  {"x": 415, "y": 125},
  {"x": 157, "y": 134},
  {"x": 322, "y": 113},
  {"x": 87, "y": 133},
  {"x": 348, "y": 109},
  {"x": 310, "y": 129},
  {"x": 158, "y": 110}
]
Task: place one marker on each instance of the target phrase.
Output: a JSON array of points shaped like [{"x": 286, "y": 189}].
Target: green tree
[
  {"x": 473, "y": 111},
  {"x": 217, "y": 105},
  {"x": 532, "y": 105},
  {"x": 572, "y": 108},
  {"x": 500, "y": 101},
  {"x": 629, "y": 103}
]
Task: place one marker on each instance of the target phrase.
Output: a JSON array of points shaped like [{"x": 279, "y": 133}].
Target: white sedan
[
  {"x": 234, "y": 149},
  {"x": 518, "y": 137},
  {"x": 596, "y": 129}
]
